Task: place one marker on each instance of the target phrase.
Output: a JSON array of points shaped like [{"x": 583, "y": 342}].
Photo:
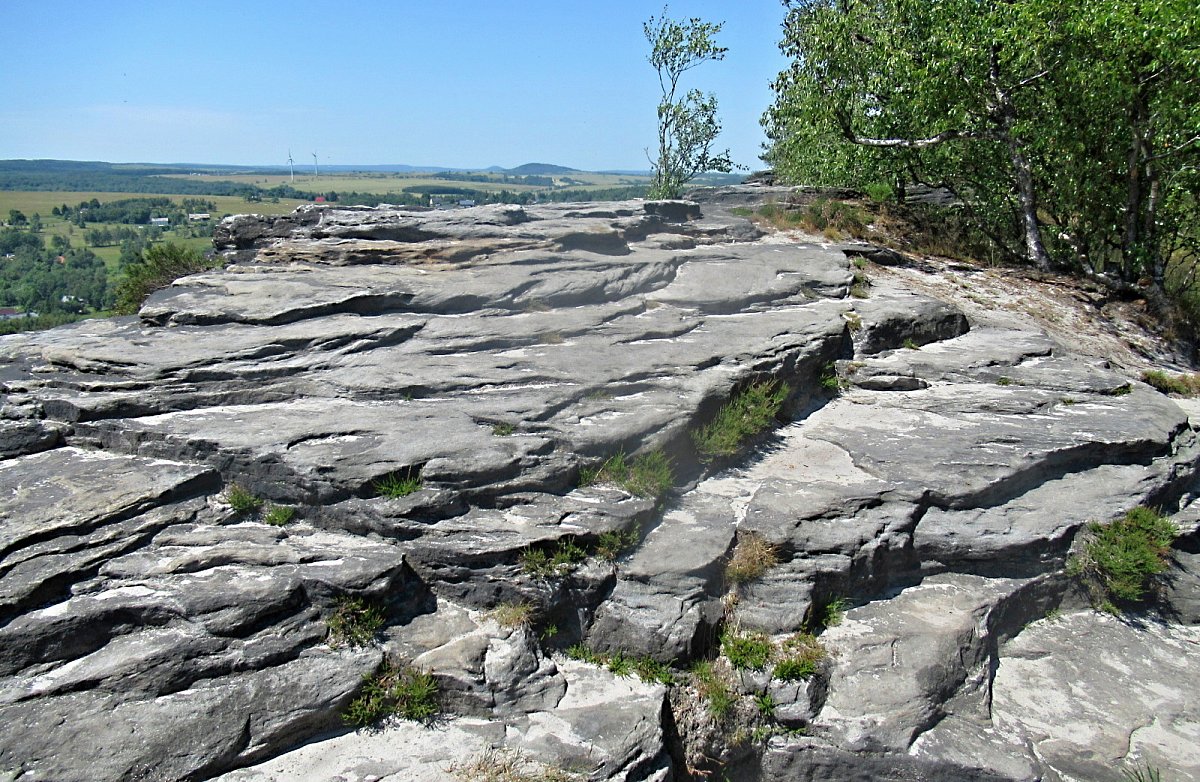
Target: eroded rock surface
[{"x": 932, "y": 466}]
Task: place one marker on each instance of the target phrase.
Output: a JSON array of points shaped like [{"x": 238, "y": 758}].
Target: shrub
[
  {"x": 354, "y": 622},
  {"x": 649, "y": 475},
  {"x": 833, "y": 612},
  {"x": 1180, "y": 385},
  {"x": 398, "y": 484},
  {"x": 398, "y": 690},
  {"x": 1120, "y": 559},
  {"x": 610, "y": 544},
  {"x": 514, "y": 615},
  {"x": 279, "y": 515},
  {"x": 752, "y": 557},
  {"x": 746, "y": 414},
  {"x": 747, "y": 650},
  {"x": 242, "y": 501},
  {"x": 161, "y": 265}
]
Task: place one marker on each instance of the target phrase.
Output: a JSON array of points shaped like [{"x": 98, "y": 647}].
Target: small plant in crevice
[
  {"x": 354, "y": 621},
  {"x": 1180, "y": 385},
  {"x": 829, "y": 378},
  {"x": 1004, "y": 381},
  {"x": 503, "y": 429},
  {"x": 241, "y": 500},
  {"x": 714, "y": 687},
  {"x": 611, "y": 544},
  {"x": 1119, "y": 561},
  {"x": 279, "y": 515},
  {"x": 555, "y": 562},
  {"x": 752, "y": 557},
  {"x": 833, "y": 612},
  {"x": 799, "y": 657},
  {"x": 398, "y": 484},
  {"x": 394, "y": 690},
  {"x": 505, "y": 765},
  {"x": 648, "y": 475},
  {"x": 747, "y": 413},
  {"x": 765, "y": 704},
  {"x": 747, "y": 650},
  {"x": 860, "y": 286},
  {"x": 514, "y": 615},
  {"x": 911, "y": 344},
  {"x": 1138, "y": 774},
  {"x": 621, "y": 664}
]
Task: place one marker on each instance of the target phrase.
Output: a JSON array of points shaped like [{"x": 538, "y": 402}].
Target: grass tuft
[
  {"x": 394, "y": 690},
  {"x": 1121, "y": 559},
  {"x": 503, "y": 765},
  {"x": 398, "y": 484},
  {"x": 514, "y": 615},
  {"x": 242, "y": 501},
  {"x": 354, "y": 622},
  {"x": 503, "y": 429},
  {"x": 555, "y": 562},
  {"x": 611, "y": 544},
  {"x": 649, "y": 475},
  {"x": 752, "y": 557},
  {"x": 746, "y": 414},
  {"x": 714, "y": 688},
  {"x": 1180, "y": 385},
  {"x": 278, "y": 515},
  {"x": 802, "y": 655},
  {"x": 747, "y": 650}
]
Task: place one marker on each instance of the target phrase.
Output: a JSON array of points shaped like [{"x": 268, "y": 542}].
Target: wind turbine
[
  {"x": 291, "y": 171},
  {"x": 314, "y": 165}
]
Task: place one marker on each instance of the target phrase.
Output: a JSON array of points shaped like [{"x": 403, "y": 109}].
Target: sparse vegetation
[
  {"x": 503, "y": 429},
  {"x": 860, "y": 286},
  {"x": 502, "y": 765},
  {"x": 552, "y": 563},
  {"x": 1120, "y": 560},
  {"x": 911, "y": 344},
  {"x": 1138, "y": 774},
  {"x": 1180, "y": 385},
  {"x": 747, "y": 650},
  {"x": 241, "y": 500},
  {"x": 279, "y": 515},
  {"x": 394, "y": 690},
  {"x": 833, "y": 612},
  {"x": 611, "y": 544},
  {"x": 752, "y": 557},
  {"x": 398, "y": 484},
  {"x": 746, "y": 414},
  {"x": 829, "y": 379},
  {"x": 714, "y": 688},
  {"x": 649, "y": 475},
  {"x": 514, "y": 615},
  {"x": 620, "y": 664},
  {"x": 801, "y": 657},
  {"x": 354, "y": 622}
]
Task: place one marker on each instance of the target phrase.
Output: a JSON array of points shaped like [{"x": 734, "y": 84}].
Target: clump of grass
[
  {"x": 752, "y": 557},
  {"x": 1180, "y": 385},
  {"x": 911, "y": 344},
  {"x": 514, "y": 615},
  {"x": 555, "y": 562},
  {"x": 833, "y": 612},
  {"x": 801, "y": 657},
  {"x": 354, "y": 622},
  {"x": 610, "y": 544},
  {"x": 649, "y": 475},
  {"x": 1137, "y": 774},
  {"x": 503, "y": 765},
  {"x": 747, "y": 650},
  {"x": 394, "y": 690},
  {"x": 1004, "y": 381},
  {"x": 860, "y": 286},
  {"x": 714, "y": 688},
  {"x": 621, "y": 664},
  {"x": 503, "y": 429},
  {"x": 278, "y": 515},
  {"x": 242, "y": 501},
  {"x": 765, "y": 704},
  {"x": 1121, "y": 559},
  {"x": 398, "y": 484},
  {"x": 829, "y": 378},
  {"x": 746, "y": 414}
]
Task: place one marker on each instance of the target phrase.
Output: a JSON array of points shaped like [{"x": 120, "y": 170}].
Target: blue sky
[{"x": 471, "y": 83}]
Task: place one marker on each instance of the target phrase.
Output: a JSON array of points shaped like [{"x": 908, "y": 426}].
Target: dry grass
[
  {"x": 752, "y": 557},
  {"x": 506, "y": 765}
]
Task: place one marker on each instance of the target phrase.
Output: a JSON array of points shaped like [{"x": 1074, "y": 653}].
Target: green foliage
[
  {"x": 242, "y": 501},
  {"x": 502, "y": 429},
  {"x": 745, "y": 415},
  {"x": 394, "y": 690},
  {"x": 610, "y": 544},
  {"x": 688, "y": 125},
  {"x": 747, "y": 650},
  {"x": 765, "y": 705},
  {"x": 833, "y": 612},
  {"x": 398, "y": 484},
  {"x": 1120, "y": 559},
  {"x": 53, "y": 285},
  {"x": 585, "y": 654},
  {"x": 161, "y": 264},
  {"x": 801, "y": 657},
  {"x": 1181, "y": 385},
  {"x": 860, "y": 286},
  {"x": 650, "y": 475},
  {"x": 620, "y": 664},
  {"x": 354, "y": 622},
  {"x": 911, "y": 344},
  {"x": 555, "y": 562},
  {"x": 279, "y": 515},
  {"x": 752, "y": 557},
  {"x": 714, "y": 688},
  {"x": 1149, "y": 774},
  {"x": 829, "y": 379}
]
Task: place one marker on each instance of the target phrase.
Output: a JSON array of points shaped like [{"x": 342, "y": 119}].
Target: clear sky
[{"x": 471, "y": 83}]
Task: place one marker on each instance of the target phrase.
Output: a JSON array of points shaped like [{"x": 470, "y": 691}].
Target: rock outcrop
[{"x": 931, "y": 467}]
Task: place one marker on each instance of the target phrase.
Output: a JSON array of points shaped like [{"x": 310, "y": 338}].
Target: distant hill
[{"x": 541, "y": 169}]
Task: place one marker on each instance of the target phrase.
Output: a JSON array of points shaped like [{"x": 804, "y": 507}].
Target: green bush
[
  {"x": 278, "y": 515},
  {"x": 1120, "y": 560},
  {"x": 161, "y": 265},
  {"x": 1180, "y": 385},
  {"x": 747, "y": 650},
  {"x": 394, "y": 690},
  {"x": 610, "y": 544},
  {"x": 354, "y": 622},
  {"x": 746, "y": 414},
  {"x": 650, "y": 475},
  {"x": 398, "y": 484},
  {"x": 242, "y": 501}
]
